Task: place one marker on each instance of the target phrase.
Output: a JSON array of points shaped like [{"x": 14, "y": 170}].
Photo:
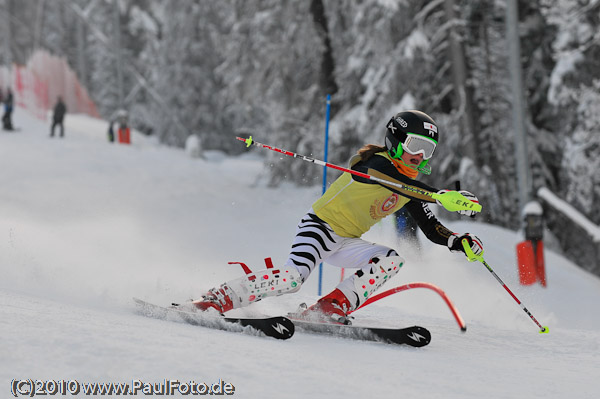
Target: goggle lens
[{"x": 415, "y": 144}]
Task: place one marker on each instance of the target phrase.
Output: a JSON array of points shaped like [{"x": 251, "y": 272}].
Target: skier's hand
[
  {"x": 437, "y": 200},
  {"x": 455, "y": 243},
  {"x": 464, "y": 195},
  {"x": 470, "y": 197}
]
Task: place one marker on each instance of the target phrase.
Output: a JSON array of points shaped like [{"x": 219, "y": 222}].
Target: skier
[
  {"x": 332, "y": 228},
  {"x": 8, "y": 109}
]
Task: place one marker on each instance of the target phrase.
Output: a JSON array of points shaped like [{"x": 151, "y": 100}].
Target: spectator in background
[
  {"x": 406, "y": 227},
  {"x": 111, "y": 132},
  {"x": 123, "y": 133},
  {"x": 59, "y": 115},
  {"x": 8, "y": 108}
]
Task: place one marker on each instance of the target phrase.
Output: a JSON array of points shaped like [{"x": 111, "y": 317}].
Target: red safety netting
[{"x": 37, "y": 85}]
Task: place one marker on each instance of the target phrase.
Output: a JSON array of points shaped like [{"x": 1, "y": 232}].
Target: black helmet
[{"x": 414, "y": 132}]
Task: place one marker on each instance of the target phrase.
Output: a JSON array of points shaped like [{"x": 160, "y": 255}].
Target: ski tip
[{"x": 545, "y": 330}]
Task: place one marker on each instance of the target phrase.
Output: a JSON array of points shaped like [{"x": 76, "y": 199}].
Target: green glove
[{"x": 454, "y": 201}]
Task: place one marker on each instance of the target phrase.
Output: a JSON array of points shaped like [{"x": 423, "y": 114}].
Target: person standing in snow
[
  {"x": 331, "y": 230},
  {"x": 60, "y": 110},
  {"x": 8, "y": 109},
  {"x": 123, "y": 133},
  {"x": 111, "y": 132}
]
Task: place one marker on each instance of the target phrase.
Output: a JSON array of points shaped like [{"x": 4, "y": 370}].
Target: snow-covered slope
[{"x": 85, "y": 225}]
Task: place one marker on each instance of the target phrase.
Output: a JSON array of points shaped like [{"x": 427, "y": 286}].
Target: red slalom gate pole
[{"x": 430, "y": 286}]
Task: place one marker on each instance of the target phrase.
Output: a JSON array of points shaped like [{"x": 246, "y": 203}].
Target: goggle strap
[{"x": 396, "y": 152}]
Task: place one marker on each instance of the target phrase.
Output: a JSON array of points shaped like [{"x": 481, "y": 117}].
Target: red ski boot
[
  {"x": 332, "y": 307},
  {"x": 219, "y": 299}
]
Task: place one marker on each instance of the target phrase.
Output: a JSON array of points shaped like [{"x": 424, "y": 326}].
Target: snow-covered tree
[{"x": 217, "y": 69}]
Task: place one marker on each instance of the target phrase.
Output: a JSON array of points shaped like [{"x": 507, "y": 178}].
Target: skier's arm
[
  {"x": 440, "y": 234},
  {"x": 428, "y": 223},
  {"x": 381, "y": 167}
]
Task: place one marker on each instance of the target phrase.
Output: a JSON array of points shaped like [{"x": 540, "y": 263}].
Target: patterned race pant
[{"x": 316, "y": 242}]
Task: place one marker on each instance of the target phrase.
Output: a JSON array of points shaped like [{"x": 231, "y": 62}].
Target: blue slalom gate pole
[
  {"x": 326, "y": 142},
  {"x": 325, "y": 178}
]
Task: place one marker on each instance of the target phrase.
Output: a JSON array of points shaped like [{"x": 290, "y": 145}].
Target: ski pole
[
  {"x": 451, "y": 200},
  {"x": 472, "y": 258}
]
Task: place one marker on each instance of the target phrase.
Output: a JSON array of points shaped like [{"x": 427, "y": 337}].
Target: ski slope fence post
[
  {"x": 327, "y": 113},
  {"x": 575, "y": 216}
]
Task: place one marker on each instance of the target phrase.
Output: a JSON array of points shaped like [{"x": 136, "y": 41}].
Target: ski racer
[{"x": 331, "y": 230}]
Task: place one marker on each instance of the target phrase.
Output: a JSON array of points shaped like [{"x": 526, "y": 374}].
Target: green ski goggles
[{"x": 415, "y": 144}]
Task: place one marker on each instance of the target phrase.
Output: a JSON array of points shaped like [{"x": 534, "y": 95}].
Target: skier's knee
[
  {"x": 390, "y": 263},
  {"x": 362, "y": 284}
]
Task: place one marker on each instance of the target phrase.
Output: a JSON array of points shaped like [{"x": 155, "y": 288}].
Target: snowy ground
[{"x": 86, "y": 225}]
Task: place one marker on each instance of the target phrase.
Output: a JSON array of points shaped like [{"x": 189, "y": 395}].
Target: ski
[
  {"x": 278, "y": 327},
  {"x": 412, "y": 336}
]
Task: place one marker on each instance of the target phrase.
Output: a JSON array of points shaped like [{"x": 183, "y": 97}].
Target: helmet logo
[
  {"x": 401, "y": 122},
  {"x": 392, "y": 127},
  {"x": 431, "y": 127}
]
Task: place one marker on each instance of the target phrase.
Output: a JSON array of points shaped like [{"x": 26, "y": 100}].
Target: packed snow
[{"x": 85, "y": 225}]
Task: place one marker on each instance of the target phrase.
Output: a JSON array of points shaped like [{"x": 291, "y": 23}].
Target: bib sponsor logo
[
  {"x": 389, "y": 203},
  {"x": 381, "y": 208}
]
